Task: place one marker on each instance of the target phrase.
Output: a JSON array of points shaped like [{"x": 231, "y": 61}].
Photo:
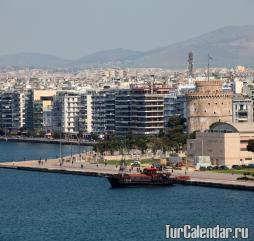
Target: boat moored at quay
[{"x": 149, "y": 177}]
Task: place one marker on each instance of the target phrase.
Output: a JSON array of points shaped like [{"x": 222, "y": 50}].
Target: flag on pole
[{"x": 209, "y": 57}]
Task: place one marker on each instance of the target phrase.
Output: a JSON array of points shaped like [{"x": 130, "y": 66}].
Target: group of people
[{"x": 41, "y": 162}]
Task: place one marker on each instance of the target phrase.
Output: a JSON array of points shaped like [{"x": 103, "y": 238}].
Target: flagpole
[{"x": 208, "y": 68}]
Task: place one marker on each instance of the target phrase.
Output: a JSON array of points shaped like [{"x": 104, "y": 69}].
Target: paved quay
[
  {"x": 198, "y": 178},
  {"x": 219, "y": 180},
  {"x": 66, "y": 167}
]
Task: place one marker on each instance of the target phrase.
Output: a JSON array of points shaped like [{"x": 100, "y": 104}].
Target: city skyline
[{"x": 71, "y": 31}]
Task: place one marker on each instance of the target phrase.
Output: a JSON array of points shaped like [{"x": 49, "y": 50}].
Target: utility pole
[{"x": 190, "y": 66}]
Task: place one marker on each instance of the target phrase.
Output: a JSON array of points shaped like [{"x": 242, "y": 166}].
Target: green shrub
[
  {"x": 246, "y": 173},
  {"x": 244, "y": 178}
]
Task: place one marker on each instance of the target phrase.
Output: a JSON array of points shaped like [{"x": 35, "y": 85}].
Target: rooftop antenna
[
  {"x": 190, "y": 66},
  {"x": 152, "y": 83}
]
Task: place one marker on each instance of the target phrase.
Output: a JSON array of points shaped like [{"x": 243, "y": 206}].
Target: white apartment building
[{"x": 71, "y": 113}]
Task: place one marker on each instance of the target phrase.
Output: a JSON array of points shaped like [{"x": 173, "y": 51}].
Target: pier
[{"x": 78, "y": 165}]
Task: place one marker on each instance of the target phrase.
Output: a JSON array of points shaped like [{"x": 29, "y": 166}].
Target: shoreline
[
  {"x": 212, "y": 180},
  {"x": 47, "y": 141}
]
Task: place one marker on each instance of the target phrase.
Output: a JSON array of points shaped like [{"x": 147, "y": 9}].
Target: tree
[
  {"x": 94, "y": 136},
  {"x": 250, "y": 146},
  {"x": 175, "y": 132},
  {"x": 141, "y": 143},
  {"x": 193, "y": 135},
  {"x": 161, "y": 133},
  {"x": 156, "y": 143}
]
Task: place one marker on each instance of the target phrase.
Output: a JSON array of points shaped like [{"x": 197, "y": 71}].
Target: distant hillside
[
  {"x": 229, "y": 46},
  {"x": 113, "y": 57},
  {"x": 32, "y": 59}
]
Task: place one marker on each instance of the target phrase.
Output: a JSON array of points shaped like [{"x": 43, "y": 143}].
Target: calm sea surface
[{"x": 38, "y": 206}]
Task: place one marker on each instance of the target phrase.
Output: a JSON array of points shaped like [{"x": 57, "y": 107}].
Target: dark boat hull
[{"x": 118, "y": 182}]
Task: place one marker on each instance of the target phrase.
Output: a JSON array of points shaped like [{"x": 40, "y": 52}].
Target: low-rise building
[{"x": 225, "y": 143}]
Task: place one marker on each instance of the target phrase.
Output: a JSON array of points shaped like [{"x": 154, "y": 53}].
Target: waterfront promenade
[{"x": 78, "y": 165}]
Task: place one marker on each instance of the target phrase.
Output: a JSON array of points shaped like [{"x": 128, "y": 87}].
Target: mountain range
[{"x": 229, "y": 46}]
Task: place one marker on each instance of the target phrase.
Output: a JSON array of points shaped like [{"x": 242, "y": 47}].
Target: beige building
[
  {"x": 225, "y": 143},
  {"x": 208, "y": 104}
]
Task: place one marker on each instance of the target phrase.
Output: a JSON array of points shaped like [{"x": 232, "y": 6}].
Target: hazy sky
[{"x": 73, "y": 28}]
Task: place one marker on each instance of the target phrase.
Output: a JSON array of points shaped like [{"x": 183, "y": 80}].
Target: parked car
[
  {"x": 179, "y": 164},
  {"x": 223, "y": 167},
  {"x": 236, "y": 167},
  {"x": 135, "y": 164},
  {"x": 251, "y": 165}
]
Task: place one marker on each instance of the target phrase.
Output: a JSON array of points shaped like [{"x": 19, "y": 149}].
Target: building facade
[
  {"x": 174, "y": 105},
  {"x": 224, "y": 143},
  {"x": 110, "y": 97},
  {"x": 242, "y": 109},
  {"x": 37, "y": 102},
  {"x": 147, "y": 109},
  {"x": 71, "y": 113},
  {"x": 98, "y": 112},
  {"x": 122, "y": 112},
  {"x": 11, "y": 110}
]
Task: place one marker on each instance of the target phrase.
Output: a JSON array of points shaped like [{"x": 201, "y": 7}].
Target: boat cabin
[{"x": 150, "y": 171}]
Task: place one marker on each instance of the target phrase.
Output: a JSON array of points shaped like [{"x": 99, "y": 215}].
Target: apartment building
[
  {"x": 110, "y": 97},
  {"x": 99, "y": 112},
  {"x": 147, "y": 109},
  {"x": 122, "y": 112},
  {"x": 85, "y": 113},
  {"x": 242, "y": 109},
  {"x": 37, "y": 102},
  {"x": 174, "y": 105},
  {"x": 71, "y": 113},
  {"x": 11, "y": 110}
]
